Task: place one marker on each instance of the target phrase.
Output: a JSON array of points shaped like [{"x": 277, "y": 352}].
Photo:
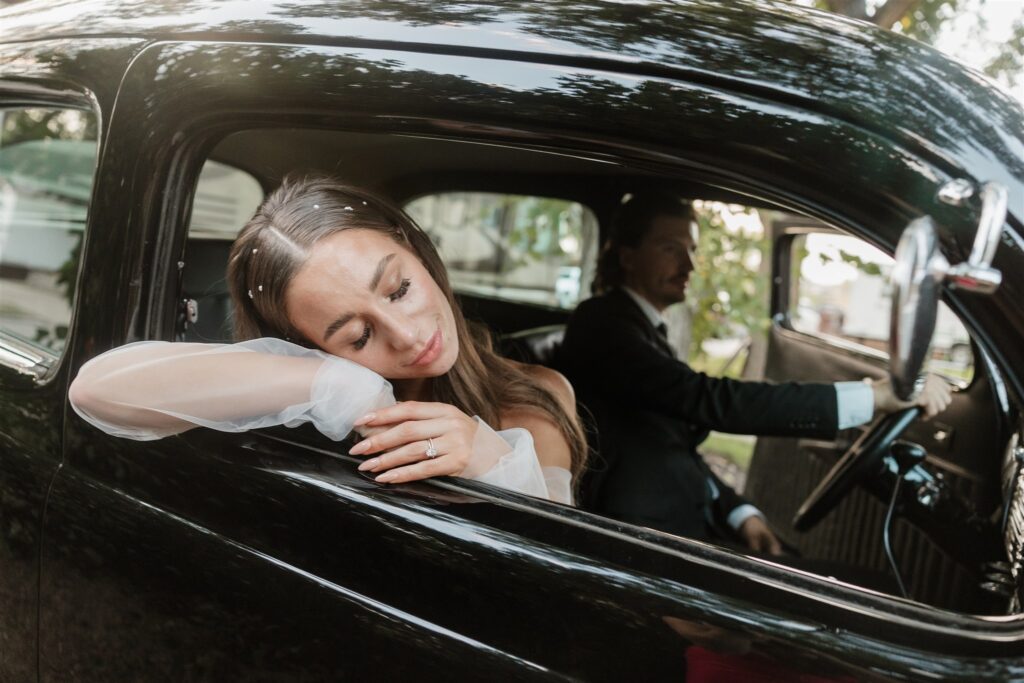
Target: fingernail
[
  {"x": 386, "y": 477},
  {"x": 364, "y": 419},
  {"x": 360, "y": 447},
  {"x": 369, "y": 464}
]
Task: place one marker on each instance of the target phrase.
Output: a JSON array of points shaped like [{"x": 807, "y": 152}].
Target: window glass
[
  {"x": 225, "y": 200},
  {"x": 840, "y": 290},
  {"x": 529, "y": 249},
  {"x": 47, "y": 164}
]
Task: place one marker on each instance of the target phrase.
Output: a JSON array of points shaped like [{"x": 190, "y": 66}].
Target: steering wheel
[{"x": 858, "y": 464}]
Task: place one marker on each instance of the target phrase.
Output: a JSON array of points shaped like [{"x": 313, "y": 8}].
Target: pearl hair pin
[{"x": 255, "y": 250}]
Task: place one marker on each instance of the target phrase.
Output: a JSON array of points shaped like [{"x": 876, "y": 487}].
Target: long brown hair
[{"x": 274, "y": 245}]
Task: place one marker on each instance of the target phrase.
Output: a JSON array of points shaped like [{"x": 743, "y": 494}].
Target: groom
[{"x": 652, "y": 410}]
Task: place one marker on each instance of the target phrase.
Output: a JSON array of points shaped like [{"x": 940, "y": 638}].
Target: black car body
[{"x": 269, "y": 556}]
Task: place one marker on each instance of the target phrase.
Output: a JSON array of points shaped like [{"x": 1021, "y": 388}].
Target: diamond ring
[{"x": 431, "y": 452}]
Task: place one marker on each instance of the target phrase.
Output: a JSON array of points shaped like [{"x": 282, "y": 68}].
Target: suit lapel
[{"x": 636, "y": 314}]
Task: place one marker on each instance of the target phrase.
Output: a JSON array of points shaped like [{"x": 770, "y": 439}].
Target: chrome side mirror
[{"x": 919, "y": 272}]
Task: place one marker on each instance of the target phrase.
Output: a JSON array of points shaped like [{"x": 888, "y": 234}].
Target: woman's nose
[{"x": 402, "y": 333}]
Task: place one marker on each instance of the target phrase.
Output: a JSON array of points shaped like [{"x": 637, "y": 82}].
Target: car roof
[{"x": 795, "y": 56}]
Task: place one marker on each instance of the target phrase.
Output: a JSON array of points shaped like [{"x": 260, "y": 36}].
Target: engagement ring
[{"x": 431, "y": 452}]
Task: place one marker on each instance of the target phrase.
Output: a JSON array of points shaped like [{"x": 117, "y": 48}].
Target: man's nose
[{"x": 689, "y": 260}]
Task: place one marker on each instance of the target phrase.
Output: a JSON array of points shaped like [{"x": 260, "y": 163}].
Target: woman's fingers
[
  {"x": 403, "y": 446},
  {"x": 412, "y": 452},
  {"x": 402, "y": 434},
  {"x": 421, "y": 470},
  {"x": 404, "y": 411}
]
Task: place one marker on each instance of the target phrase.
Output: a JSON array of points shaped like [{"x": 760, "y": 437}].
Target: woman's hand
[
  {"x": 408, "y": 430},
  {"x": 934, "y": 398}
]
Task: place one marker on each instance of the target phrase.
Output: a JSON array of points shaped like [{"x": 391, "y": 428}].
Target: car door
[
  {"x": 268, "y": 555},
  {"x": 49, "y": 142},
  {"x": 830, "y": 322}
]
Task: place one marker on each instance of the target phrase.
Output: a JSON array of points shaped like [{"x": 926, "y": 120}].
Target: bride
[{"x": 346, "y": 306}]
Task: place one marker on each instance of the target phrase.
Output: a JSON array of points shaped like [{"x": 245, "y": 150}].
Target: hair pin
[
  {"x": 316, "y": 206},
  {"x": 250, "y": 293},
  {"x": 260, "y": 288},
  {"x": 348, "y": 208},
  {"x": 255, "y": 250}
]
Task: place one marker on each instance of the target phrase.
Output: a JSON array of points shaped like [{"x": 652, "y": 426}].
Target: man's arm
[{"x": 607, "y": 354}]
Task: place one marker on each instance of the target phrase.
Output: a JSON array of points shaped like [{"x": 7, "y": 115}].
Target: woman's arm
[
  {"x": 149, "y": 390},
  {"x": 469, "y": 448}
]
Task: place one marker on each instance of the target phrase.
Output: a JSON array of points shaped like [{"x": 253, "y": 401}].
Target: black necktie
[{"x": 662, "y": 329}]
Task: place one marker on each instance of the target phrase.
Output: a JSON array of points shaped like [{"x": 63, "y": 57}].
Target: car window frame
[{"x": 43, "y": 365}]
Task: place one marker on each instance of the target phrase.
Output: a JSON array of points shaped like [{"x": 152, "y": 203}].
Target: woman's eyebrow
[
  {"x": 339, "y": 323},
  {"x": 379, "y": 273}
]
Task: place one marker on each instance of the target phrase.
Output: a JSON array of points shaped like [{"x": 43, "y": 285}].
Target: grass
[{"x": 738, "y": 448}]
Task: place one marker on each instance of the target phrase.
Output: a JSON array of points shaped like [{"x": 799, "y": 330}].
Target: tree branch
[
  {"x": 857, "y": 9},
  {"x": 891, "y": 12}
]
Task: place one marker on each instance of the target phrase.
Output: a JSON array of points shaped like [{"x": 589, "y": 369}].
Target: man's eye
[
  {"x": 361, "y": 342},
  {"x": 402, "y": 290}
]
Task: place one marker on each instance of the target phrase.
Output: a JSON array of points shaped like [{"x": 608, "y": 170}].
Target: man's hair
[{"x": 630, "y": 224}]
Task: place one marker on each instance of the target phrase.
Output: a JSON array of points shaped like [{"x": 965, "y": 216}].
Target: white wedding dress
[{"x": 149, "y": 390}]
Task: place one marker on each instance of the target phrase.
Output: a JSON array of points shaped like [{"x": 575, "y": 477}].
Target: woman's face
[{"x": 364, "y": 297}]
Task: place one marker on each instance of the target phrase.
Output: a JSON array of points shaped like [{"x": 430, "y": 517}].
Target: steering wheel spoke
[{"x": 861, "y": 462}]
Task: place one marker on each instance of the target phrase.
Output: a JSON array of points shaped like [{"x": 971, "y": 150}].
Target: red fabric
[{"x": 707, "y": 666}]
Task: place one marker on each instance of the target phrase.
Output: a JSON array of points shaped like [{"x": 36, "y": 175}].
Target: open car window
[
  {"x": 840, "y": 291},
  {"x": 521, "y": 261}
]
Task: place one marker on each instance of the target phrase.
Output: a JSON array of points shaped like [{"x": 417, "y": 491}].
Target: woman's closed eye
[
  {"x": 403, "y": 289},
  {"x": 361, "y": 342}
]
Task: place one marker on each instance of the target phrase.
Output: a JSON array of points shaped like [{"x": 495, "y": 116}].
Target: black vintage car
[{"x": 137, "y": 136}]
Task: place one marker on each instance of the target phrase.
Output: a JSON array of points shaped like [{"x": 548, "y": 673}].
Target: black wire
[{"x": 885, "y": 536}]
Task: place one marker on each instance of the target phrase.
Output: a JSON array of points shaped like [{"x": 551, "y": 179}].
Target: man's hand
[
  {"x": 935, "y": 397},
  {"x": 755, "y": 533}
]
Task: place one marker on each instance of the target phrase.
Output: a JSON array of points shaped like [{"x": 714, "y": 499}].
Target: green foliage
[
  {"x": 728, "y": 291},
  {"x": 866, "y": 267},
  {"x": 1008, "y": 64},
  {"x": 926, "y": 17},
  {"x": 538, "y": 227}
]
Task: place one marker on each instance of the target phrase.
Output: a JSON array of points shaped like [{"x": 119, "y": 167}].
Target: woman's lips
[{"x": 429, "y": 354}]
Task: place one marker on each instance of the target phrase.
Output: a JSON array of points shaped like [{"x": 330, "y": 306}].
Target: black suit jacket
[{"x": 651, "y": 411}]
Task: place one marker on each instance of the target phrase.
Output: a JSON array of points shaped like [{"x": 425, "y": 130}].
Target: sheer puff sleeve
[
  {"x": 508, "y": 459},
  {"x": 149, "y": 390},
  {"x": 153, "y": 389}
]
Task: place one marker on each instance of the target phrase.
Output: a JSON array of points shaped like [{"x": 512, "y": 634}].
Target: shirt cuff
[
  {"x": 855, "y": 403},
  {"x": 740, "y": 514}
]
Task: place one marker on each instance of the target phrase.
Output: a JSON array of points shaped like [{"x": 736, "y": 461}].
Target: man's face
[{"x": 660, "y": 266}]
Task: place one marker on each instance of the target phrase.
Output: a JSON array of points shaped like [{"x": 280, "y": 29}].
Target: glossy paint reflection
[
  {"x": 29, "y": 456},
  {"x": 830, "y": 63}
]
